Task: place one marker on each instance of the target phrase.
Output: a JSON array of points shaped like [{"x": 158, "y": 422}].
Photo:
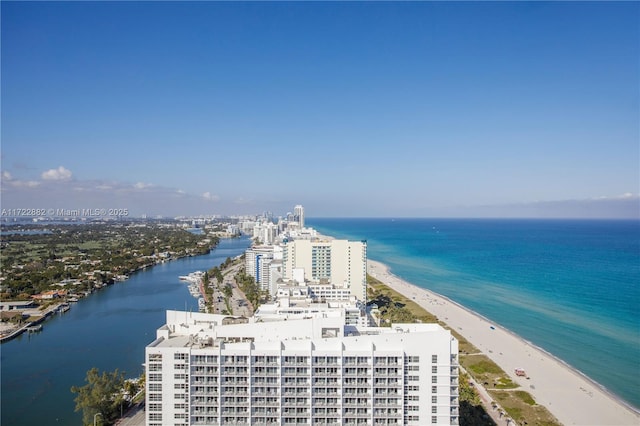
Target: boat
[
  {"x": 193, "y": 277},
  {"x": 34, "y": 328},
  {"x": 194, "y": 289},
  {"x": 64, "y": 307}
]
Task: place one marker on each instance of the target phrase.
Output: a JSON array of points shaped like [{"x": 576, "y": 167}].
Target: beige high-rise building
[
  {"x": 298, "y": 215},
  {"x": 342, "y": 263}
]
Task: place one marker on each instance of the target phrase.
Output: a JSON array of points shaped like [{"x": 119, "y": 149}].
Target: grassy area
[
  {"x": 521, "y": 407},
  {"x": 395, "y": 305},
  {"x": 518, "y": 404},
  {"x": 487, "y": 372}
]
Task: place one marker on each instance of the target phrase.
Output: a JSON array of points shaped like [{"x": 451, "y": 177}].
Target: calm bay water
[
  {"x": 571, "y": 287},
  {"x": 107, "y": 330}
]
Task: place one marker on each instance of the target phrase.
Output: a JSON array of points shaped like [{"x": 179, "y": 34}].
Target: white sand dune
[{"x": 570, "y": 396}]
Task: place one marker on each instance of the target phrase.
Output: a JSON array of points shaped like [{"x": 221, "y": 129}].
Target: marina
[{"x": 196, "y": 287}]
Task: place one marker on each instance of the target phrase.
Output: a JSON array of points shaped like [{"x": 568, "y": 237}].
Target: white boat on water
[
  {"x": 193, "y": 277},
  {"x": 194, "y": 289}
]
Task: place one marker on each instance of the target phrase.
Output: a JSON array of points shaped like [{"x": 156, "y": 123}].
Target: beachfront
[{"x": 572, "y": 397}]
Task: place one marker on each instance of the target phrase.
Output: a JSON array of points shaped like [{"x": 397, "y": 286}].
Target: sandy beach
[{"x": 570, "y": 396}]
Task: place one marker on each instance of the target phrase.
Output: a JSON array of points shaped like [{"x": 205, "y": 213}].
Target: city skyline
[{"x": 351, "y": 109}]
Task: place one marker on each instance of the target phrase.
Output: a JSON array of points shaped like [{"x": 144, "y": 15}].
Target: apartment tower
[{"x": 204, "y": 369}]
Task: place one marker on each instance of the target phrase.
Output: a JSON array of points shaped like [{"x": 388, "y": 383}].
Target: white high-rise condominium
[
  {"x": 342, "y": 263},
  {"x": 257, "y": 262},
  {"x": 298, "y": 215},
  {"x": 203, "y": 369}
]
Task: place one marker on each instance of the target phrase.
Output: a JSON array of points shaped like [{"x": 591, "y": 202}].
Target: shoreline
[
  {"x": 5, "y": 338},
  {"x": 570, "y": 395}
]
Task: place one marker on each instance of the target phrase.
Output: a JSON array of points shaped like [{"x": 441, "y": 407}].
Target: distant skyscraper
[{"x": 298, "y": 214}]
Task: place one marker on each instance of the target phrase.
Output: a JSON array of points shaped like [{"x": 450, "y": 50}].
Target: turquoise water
[
  {"x": 107, "y": 330},
  {"x": 571, "y": 287}
]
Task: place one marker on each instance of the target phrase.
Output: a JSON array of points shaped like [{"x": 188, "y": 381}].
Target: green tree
[{"x": 102, "y": 394}]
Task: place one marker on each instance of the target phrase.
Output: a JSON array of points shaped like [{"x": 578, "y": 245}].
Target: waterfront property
[{"x": 201, "y": 370}]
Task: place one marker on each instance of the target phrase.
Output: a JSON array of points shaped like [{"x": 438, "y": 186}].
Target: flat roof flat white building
[{"x": 207, "y": 369}]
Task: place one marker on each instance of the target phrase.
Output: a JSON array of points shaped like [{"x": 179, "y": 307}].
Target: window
[
  {"x": 434, "y": 359},
  {"x": 434, "y": 399},
  {"x": 157, "y": 397},
  {"x": 155, "y": 387},
  {"x": 180, "y": 356},
  {"x": 434, "y": 419},
  {"x": 155, "y": 417},
  {"x": 155, "y": 407},
  {"x": 155, "y": 377},
  {"x": 434, "y": 369},
  {"x": 434, "y": 409},
  {"x": 434, "y": 389},
  {"x": 155, "y": 366},
  {"x": 434, "y": 379}
]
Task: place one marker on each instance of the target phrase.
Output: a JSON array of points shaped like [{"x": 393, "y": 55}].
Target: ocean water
[{"x": 571, "y": 287}]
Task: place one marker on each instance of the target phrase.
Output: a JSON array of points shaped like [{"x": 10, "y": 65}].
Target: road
[{"x": 133, "y": 417}]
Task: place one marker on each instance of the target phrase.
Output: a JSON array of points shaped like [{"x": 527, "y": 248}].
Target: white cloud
[
  {"x": 25, "y": 183},
  {"x": 142, "y": 185},
  {"x": 6, "y": 175},
  {"x": 60, "y": 173},
  {"x": 209, "y": 196},
  {"x": 628, "y": 195}
]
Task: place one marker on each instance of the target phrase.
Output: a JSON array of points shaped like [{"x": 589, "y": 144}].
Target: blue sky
[{"x": 351, "y": 109}]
